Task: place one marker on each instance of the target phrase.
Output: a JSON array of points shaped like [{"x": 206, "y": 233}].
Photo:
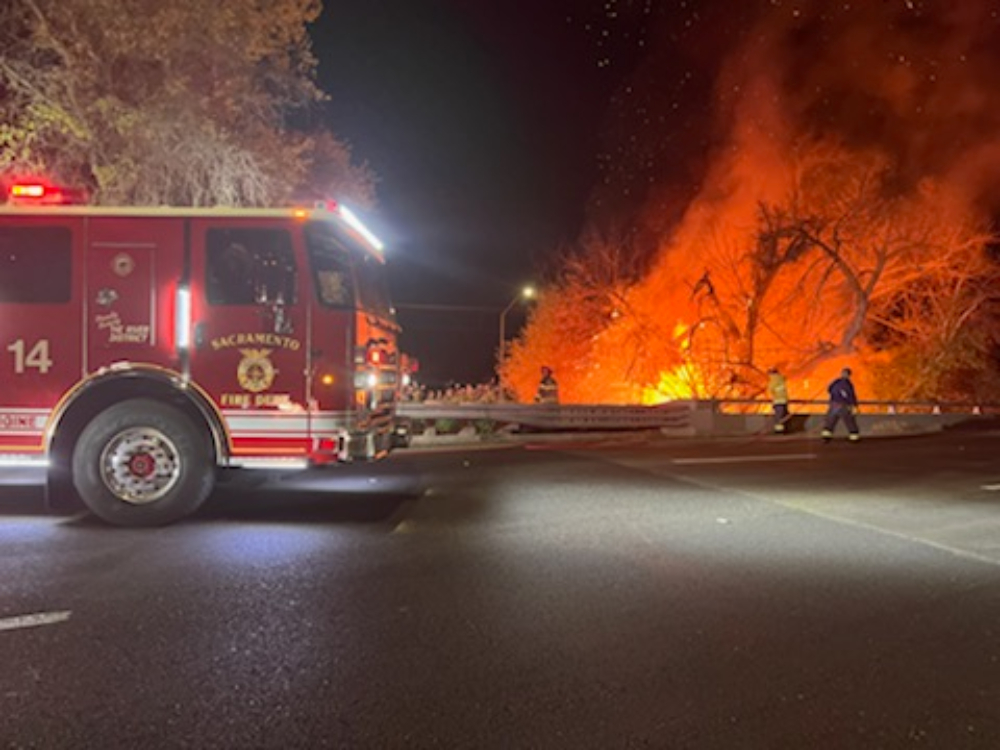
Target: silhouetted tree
[{"x": 183, "y": 102}]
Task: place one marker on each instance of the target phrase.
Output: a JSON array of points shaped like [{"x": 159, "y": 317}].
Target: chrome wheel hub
[{"x": 140, "y": 465}]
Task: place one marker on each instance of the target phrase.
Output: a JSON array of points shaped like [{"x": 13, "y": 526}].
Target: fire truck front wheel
[{"x": 142, "y": 463}]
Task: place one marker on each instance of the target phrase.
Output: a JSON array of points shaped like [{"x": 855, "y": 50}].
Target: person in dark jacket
[
  {"x": 843, "y": 405},
  {"x": 548, "y": 388}
]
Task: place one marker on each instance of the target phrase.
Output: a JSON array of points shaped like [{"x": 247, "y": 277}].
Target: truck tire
[{"x": 142, "y": 463}]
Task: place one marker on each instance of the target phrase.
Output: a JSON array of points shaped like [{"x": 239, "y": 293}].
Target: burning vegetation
[{"x": 843, "y": 217}]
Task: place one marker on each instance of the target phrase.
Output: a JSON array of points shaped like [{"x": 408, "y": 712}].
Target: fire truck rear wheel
[{"x": 142, "y": 463}]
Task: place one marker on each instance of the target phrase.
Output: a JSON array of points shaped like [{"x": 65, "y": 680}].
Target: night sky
[{"x": 484, "y": 122}]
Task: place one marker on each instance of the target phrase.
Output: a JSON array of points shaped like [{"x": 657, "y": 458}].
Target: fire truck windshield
[{"x": 346, "y": 275}]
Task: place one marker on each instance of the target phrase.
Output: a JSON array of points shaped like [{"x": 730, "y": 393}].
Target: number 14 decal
[{"x": 37, "y": 357}]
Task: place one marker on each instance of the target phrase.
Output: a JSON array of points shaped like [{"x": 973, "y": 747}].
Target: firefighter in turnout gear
[
  {"x": 778, "y": 389},
  {"x": 843, "y": 405},
  {"x": 548, "y": 388}
]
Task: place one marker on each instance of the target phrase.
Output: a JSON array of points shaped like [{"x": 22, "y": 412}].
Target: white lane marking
[
  {"x": 401, "y": 524},
  {"x": 744, "y": 459},
  {"x": 990, "y": 487},
  {"x": 956, "y": 551},
  {"x": 33, "y": 621},
  {"x": 941, "y": 546}
]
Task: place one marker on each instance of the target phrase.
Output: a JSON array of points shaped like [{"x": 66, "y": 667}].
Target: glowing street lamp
[{"x": 526, "y": 293}]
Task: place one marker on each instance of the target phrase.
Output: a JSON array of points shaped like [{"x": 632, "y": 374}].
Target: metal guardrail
[
  {"x": 677, "y": 417},
  {"x": 817, "y": 406},
  {"x": 673, "y": 416}
]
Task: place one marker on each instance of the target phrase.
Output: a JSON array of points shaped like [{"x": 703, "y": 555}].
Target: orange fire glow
[{"x": 809, "y": 247}]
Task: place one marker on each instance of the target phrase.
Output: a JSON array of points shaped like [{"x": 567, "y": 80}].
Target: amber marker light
[{"x": 327, "y": 379}]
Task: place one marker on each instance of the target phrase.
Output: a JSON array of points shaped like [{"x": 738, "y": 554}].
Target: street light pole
[{"x": 525, "y": 294}]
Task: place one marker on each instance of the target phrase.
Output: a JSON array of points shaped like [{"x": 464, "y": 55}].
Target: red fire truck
[{"x": 144, "y": 348}]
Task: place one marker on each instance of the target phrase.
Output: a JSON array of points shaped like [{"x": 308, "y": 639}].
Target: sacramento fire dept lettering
[
  {"x": 281, "y": 401},
  {"x": 255, "y": 371},
  {"x": 273, "y": 340}
]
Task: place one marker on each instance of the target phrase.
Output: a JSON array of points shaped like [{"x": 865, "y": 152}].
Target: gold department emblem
[{"x": 255, "y": 371}]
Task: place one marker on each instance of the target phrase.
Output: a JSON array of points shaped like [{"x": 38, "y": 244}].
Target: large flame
[{"x": 873, "y": 151}]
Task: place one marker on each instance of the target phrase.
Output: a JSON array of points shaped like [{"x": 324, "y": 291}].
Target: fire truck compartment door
[{"x": 120, "y": 301}]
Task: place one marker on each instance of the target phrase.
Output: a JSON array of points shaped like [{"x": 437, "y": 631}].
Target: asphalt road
[{"x": 771, "y": 593}]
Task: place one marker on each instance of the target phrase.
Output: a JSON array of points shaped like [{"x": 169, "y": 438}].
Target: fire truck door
[
  {"x": 249, "y": 343},
  {"x": 120, "y": 303}
]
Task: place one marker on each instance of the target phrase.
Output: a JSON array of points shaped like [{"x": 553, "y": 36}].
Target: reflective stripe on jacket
[
  {"x": 777, "y": 387},
  {"x": 548, "y": 391}
]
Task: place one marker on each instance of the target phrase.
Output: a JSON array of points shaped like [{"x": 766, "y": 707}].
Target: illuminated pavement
[{"x": 772, "y": 593}]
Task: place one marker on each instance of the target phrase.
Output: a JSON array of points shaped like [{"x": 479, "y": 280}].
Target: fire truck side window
[
  {"x": 35, "y": 265},
  {"x": 373, "y": 286},
  {"x": 331, "y": 269},
  {"x": 249, "y": 267}
]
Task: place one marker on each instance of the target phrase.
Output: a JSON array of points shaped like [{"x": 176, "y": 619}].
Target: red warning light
[{"x": 27, "y": 193}]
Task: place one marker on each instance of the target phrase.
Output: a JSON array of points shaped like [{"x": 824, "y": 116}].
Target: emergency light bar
[
  {"x": 353, "y": 222},
  {"x": 28, "y": 193}
]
